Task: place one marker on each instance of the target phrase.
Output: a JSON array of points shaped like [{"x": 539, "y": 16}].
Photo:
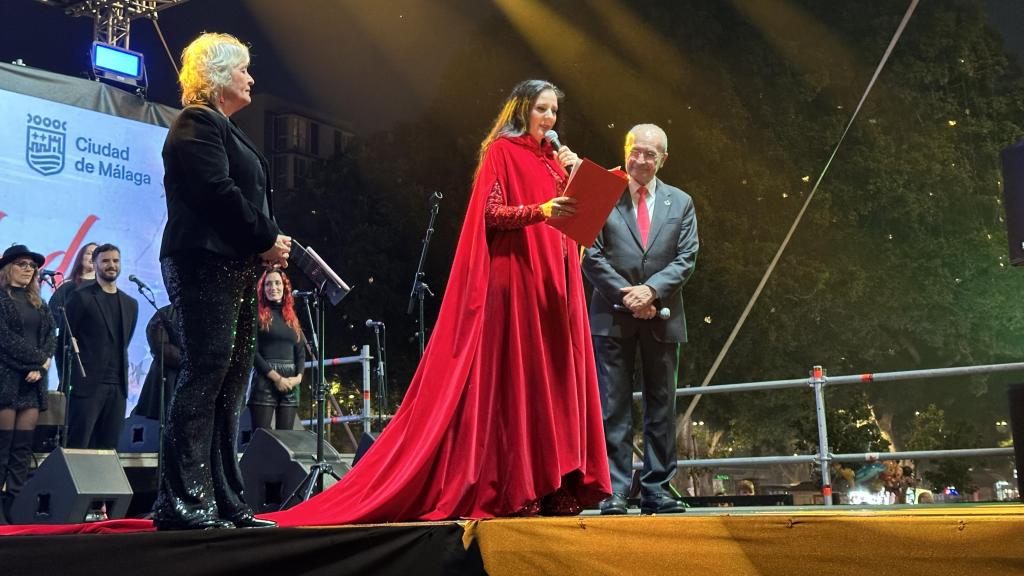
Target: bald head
[
  {"x": 646, "y": 151},
  {"x": 651, "y": 133}
]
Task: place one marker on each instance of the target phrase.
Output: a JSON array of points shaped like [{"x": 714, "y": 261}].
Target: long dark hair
[
  {"x": 78, "y": 269},
  {"x": 514, "y": 118}
]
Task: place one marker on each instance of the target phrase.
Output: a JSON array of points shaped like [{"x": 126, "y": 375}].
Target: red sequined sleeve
[{"x": 500, "y": 216}]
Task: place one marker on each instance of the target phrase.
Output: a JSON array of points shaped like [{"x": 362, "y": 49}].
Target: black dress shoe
[
  {"x": 661, "y": 504},
  {"x": 205, "y": 524},
  {"x": 613, "y": 505},
  {"x": 247, "y": 520}
]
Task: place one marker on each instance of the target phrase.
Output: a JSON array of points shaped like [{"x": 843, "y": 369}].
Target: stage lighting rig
[
  {"x": 118, "y": 65},
  {"x": 111, "y": 58}
]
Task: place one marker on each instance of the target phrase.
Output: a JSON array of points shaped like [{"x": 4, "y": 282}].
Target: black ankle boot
[
  {"x": 6, "y": 437},
  {"x": 18, "y": 461}
]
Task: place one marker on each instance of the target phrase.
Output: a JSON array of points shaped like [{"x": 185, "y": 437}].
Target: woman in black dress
[
  {"x": 220, "y": 230},
  {"x": 280, "y": 355},
  {"x": 26, "y": 343}
]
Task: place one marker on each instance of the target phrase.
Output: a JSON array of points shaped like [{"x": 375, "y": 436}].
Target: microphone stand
[
  {"x": 313, "y": 348},
  {"x": 419, "y": 287},
  {"x": 70, "y": 352},
  {"x": 330, "y": 285},
  {"x": 147, "y": 294},
  {"x": 314, "y": 481}
]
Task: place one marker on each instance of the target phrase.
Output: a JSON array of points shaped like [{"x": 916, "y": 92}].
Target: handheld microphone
[
  {"x": 302, "y": 294},
  {"x": 663, "y": 314},
  {"x": 552, "y": 137},
  {"x": 139, "y": 283},
  {"x": 374, "y": 324}
]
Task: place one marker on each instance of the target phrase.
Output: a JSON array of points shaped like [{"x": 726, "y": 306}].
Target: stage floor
[
  {"x": 927, "y": 540},
  {"x": 975, "y": 540}
]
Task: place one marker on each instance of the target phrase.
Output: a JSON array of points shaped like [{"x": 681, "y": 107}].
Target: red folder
[{"x": 596, "y": 191}]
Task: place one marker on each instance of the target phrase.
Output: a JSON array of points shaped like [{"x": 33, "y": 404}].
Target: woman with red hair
[{"x": 280, "y": 355}]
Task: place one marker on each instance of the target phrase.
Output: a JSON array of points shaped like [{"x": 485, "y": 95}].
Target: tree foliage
[{"x": 898, "y": 264}]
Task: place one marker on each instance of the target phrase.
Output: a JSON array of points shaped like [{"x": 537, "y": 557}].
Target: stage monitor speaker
[
  {"x": 277, "y": 461},
  {"x": 244, "y": 430},
  {"x": 139, "y": 434},
  {"x": 51, "y": 420},
  {"x": 365, "y": 441},
  {"x": 70, "y": 485},
  {"x": 1013, "y": 200}
]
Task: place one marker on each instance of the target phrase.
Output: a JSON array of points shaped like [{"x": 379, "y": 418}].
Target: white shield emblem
[{"x": 44, "y": 150}]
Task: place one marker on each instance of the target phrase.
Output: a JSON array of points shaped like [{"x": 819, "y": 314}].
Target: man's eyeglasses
[
  {"x": 27, "y": 265},
  {"x": 648, "y": 155}
]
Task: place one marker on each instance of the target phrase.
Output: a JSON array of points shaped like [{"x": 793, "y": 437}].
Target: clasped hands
[
  {"x": 277, "y": 256},
  {"x": 36, "y": 375},
  {"x": 640, "y": 301},
  {"x": 282, "y": 383}
]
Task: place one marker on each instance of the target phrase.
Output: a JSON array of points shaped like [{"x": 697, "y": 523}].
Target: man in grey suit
[{"x": 637, "y": 266}]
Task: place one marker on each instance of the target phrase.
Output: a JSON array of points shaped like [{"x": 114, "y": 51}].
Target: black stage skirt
[{"x": 264, "y": 393}]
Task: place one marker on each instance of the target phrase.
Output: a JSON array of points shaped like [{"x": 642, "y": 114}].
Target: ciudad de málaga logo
[{"x": 46, "y": 141}]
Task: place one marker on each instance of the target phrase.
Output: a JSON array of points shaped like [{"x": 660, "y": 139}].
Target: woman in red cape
[{"x": 503, "y": 416}]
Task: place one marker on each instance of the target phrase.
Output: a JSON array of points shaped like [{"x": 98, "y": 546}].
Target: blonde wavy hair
[
  {"x": 206, "y": 66},
  {"x": 32, "y": 290}
]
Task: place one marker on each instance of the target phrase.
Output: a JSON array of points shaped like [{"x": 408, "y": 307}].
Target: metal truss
[{"x": 112, "y": 18}]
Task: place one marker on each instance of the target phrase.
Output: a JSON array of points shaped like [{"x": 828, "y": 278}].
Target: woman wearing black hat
[{"x": 27, "y": 341}]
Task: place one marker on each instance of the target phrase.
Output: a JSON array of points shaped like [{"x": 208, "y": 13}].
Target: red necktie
[{"x": 643, "y": 219}]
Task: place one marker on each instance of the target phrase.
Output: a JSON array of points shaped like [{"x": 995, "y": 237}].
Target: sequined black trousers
[{"x": 215, "y": 298}]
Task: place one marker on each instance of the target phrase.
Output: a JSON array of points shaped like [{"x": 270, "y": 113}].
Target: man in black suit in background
[
  {"x": 102, "y": 318},
  {"x": 637, "y": 266}
]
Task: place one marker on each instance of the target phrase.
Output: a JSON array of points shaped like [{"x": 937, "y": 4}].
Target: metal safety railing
[
  {"x": 365, "y": 359},
  {"x": 818, "y": 380}
]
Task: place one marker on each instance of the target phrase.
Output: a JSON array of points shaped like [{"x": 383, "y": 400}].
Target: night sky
[{"x": 369, "y": 63}]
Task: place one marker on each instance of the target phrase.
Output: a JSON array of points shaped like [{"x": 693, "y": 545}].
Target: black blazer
[
  {"x": 617, "y": 260},
  {"x": 18, "y": 357},
  {"x": 95, "y": 336},
  {"x": 215, "y": 182}
]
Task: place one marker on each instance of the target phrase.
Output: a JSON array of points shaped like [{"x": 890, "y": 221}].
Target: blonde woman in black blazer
[{"x": 220, "y": 230}]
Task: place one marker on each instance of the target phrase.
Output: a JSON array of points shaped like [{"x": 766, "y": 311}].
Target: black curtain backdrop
[{"x": 83, "y": 93}]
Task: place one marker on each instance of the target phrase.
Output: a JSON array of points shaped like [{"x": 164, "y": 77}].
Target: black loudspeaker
[
  {"x": 51, "y": 420},
  {"x": 277, "y": 461},
  {"x": 72, "y": 484},
  {"x": 139, "y": 434},
  {"x": 365, "y": 441},
  {"x": 1013, "y": 200},
  {"x": 244, "y": 430}
]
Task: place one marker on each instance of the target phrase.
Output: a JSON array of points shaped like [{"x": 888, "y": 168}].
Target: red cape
[{"x": 504, "y": 407}]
